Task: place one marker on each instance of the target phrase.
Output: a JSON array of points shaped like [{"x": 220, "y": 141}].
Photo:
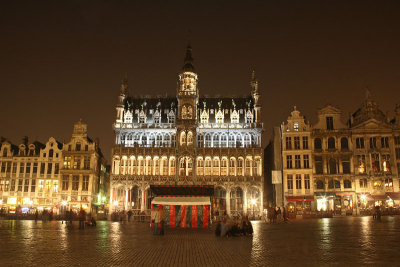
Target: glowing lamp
[
  {"x": 64, "y": 203},
  {"x": 253, "y": 201},
  {"x": 115, "y": 203},
  {"x": 363, "y": 197}
]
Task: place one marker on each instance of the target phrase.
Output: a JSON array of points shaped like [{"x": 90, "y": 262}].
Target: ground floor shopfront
[{"x": 343, "y": 203}]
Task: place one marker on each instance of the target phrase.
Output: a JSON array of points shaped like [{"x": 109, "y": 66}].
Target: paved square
[{"x": 316, "y": 242}]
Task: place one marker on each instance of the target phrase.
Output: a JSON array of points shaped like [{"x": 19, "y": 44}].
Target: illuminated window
[
  {"x": 164, "y": 166},
  {"x": 224, "y": 166},
  {"x": 41, "y": 185},
  {"x": 156, "y": 166},
  {"x": 200, "y": 166},
  {"x": 224, "y": 140},
  {"x": 231, "y": 140},
  {"x": 200, "y": 140},
  {"x": 240, "y": 167},
  {"x": 361, "y": 164},
  {"x": 189, "y": 170},
  {"x": 77, "y": 163},
  {"x": 248, "y": 167},
  {"x": 363, "y": 183},
  {"x": 171, "y": 117},
  {"x": 232, "y": 166},
  {"x": 388, "y": 183},
  {"x": 386, "y": 163},
  {"x": 67, "y": 162},
  {"x": 55, "y": 186},
  {"x": 375, "y": 162},
  {"x": 172, "y": 166},
  {"x": 149, "y": 165},
  {"x": 249, "y": 117},
  {"x": 247, "y": 140},
  {"x": 142, "y": 117},
  {"x": 158, "y": 140},
  {"x": 190, "y": 138},
  {"x": 156, "y": 117},
  {"x": 215, "y": 167},
  {"x": 207, "y": 167},
  {"x": 215, "y": 142},
  {"x": 141, "y": 165},
  {"x": 296, "y": 127},
  {"x": 183, "y": 138}
]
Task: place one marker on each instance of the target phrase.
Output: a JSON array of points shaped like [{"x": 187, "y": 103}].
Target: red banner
[
  {"x": 194, "y": 216},
  {"x": 205, "y": 215},
  {"x": 183, "y": 216},
  {"x": 172, "y": 216}
]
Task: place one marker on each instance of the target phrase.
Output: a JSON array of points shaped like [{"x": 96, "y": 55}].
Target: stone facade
[{"x": 188, "y": 140}]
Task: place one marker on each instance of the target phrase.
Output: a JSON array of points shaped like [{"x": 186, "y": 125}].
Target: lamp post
[{"x": 115, "y": 203}]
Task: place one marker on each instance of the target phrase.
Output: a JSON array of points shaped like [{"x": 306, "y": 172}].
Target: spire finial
[
  {"x": 367, "y": 93},
  {"x": 254, "y": 82},
  {"x": 188, "y": 61},
  {"x": 124, "y": 84}
]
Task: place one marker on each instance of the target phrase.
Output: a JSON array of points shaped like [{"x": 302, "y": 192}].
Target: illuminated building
[
  {"x": 83, "y": 172},
  {"x": 353, "y": 166},
  {"x": 29, "y": 176},
  {"x": 188, "y": 140}
]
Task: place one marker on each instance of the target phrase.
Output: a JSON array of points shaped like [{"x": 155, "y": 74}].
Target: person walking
[
  {"x": 129, "y": 215},
  {"x": 155, "y": 220},
  {"x": 82, "y": 215},
  {"x": 36, "y": 215}
]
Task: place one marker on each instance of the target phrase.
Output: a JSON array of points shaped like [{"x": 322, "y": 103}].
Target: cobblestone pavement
[{"x": 348, "y": 241}]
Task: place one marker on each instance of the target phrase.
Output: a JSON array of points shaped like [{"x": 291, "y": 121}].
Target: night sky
[{"x": 64, "y": 60}]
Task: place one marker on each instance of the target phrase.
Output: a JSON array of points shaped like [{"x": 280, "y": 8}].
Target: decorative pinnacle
[
  {"x": 254, "y": 82},
  {"x": 188, "y": 61},
  {"x": 124, "y": 84}
]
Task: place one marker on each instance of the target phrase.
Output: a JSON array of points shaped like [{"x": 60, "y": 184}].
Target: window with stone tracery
[
  {"x": 207, "y": 142},
  {"x": 141, "y": 165},
  {"x": 248, "y": 167},
  {"x": 189, "y": 167},
  {"x": 156, "y": 117},
  {"x": 156, "y": 166},
  {"x": 142, "y": 117},
  {"x": 200, "y": 166},
  {"x": 231, "y": 140},
  {"x": 190, "y": 138},
  {"x": 172, "y": 166},
  {"x": 249, "y": 117},
  {"x": 240, "y": 167},
  {"x": 207, "y": 166},
  {"x": 171, "y": 117},
  {"x": 182, "y": 167},
  {"x": 204, "y": 117},
  {"x": 200, "y": 140},
  {"x": 164, "y": 166},
  {"x": 232, "y": 166},
  {"x": 215, "y": 167},
  {"x": 215, "y": 142},
  {"x": 183, "y": 138},
  {"x": 134, "y": 166},
  {"x": 224, "y": 167}
]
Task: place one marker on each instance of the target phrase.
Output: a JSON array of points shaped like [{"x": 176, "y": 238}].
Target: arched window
[
  {"x": 190, "y": 138},
  {"x": 219, "y": 200},
  {"x": 207, "y": 140},
  {"x": 215, "y": 167},
  {"x": 347, "y": 183},
  {"x": 331, "y": 143},
  {"x": 182, "y": 167},
  {"x": 172, "y": 166},
  {"x": 166, "y": 140},
  {"x": 337, "y": 184},
  {"x": 183, "y": 138},
  {"x": 215, "y": 140},
  {"x": 247, "y": 140},
  {"x": 236, "y": 199},
  {"x": 231, "y": 140},
  {"x": 173, "y": 140},
  {"x": 149, "y": 165},
  {"x": 317, "y": 144},
  {"x": 189, "y": 169},
  {"x": 207, "y": 166},
  {"x": 156, "y": 166},
  {"x": 239, "y": 141},
  {"x": 141, "y": 165},
  {"x": 158, "y": 140},
  {"x": 330, "y": 184},
  {"x": 200, "y": 140},
  {"x": 254, "y": 170},
  {"x": 224, "y": 167},
  {"x": 232, "y": 166},
  {"x": 320, "y": 184},
  {"x": 344, "y": 143},
  {"x": 224, "y": 140},
  {"x": 129, "y": 140},
  {"x": 164, "y": 166},
  {"x": 136, "y": 198},
  {"x": 332, "y": 166},
  {"x": 134, "y": 166},
  {"x": 248, "y": 167},
  {"x": 240, "y": 167},
  {"x": 200, "y": 166}
]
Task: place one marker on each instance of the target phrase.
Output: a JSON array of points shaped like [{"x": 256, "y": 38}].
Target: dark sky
[{"x": 64, "y": 60}]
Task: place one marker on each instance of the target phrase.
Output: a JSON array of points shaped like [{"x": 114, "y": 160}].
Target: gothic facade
[{"x": 188, "y": 140}]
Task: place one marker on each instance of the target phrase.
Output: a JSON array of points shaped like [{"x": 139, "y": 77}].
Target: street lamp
[{"x": 253, "y": 201}]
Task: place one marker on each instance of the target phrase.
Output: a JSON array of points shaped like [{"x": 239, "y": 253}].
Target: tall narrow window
[
  {"x": 240, "y": 167},
  {"x": 289, "y": 164},
  {"x": 297, "y": 161},
  {"x": 319, "y": 165},
  {"x": 33, "y": 186},
  {"x": 288, "y": 143},
  {"x": 329, "y": 123},
  {"x": 200, "y": 166},
  {"x": 307, "y": 181},
  {"x": 75, "y": 183},
  {"x": 306, "y": 161},
  {"x": 165, "y": 166},
  {"x": 385, "y": 142},
  {"x": 372, "y": 142},
  {"x": 360, "y": 142},
  {"x": 224, "y": 167},
  {"x": 248, "y": 167},
  {"x": 297, "y": 142},
  {"x": 232, "y": 166},
  {"x": 215, "y": 167},
  {"x": 305, "y": 142},
  {"x": 85, "y": 183},
  {"x": 298, "y": 181},
  {"x": 290, "y": 182},
  {"x": 207, "y": 166}
]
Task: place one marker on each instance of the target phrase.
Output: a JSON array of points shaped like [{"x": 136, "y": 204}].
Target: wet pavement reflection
[{"x": 349, "y": 241}]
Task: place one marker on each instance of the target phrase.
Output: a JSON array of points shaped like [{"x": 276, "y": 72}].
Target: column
[
  {"x": 245, "y": 208},
  {"x": 261, "y": 203},
  {"x": 142, "y": 205},
  {"x": 228, "y": 201},
  {"x": 126, "y": 199}
]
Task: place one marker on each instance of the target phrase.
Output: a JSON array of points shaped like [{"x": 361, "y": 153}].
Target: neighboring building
[
  {"x": 297, "y": 165},
  {"x": 82, "y": 172},
  {"x": 189, "y": 140},
  {"x": 30, "y": 176},
  {"x": 332, "y": 161},
  {"x": 351, "y": 167}
]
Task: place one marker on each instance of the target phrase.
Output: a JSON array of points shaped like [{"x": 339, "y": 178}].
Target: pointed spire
[
  {"x": 254, "y": 82},
  {"x": 188, "y": 62},
  {"x": 124, "y": 85},
  {"x": 367, "y": 93}
]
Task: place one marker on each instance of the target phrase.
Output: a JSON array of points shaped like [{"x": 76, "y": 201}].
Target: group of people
[
  {"x": 276, "y": 215},
  {"x": 234, "y": 227},
  {"x": 376, "y": 214}
]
